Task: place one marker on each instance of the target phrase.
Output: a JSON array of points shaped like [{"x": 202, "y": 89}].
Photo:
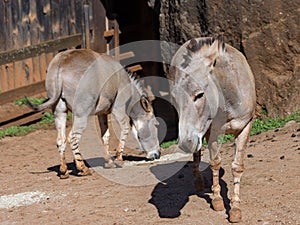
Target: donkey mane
[
  {"x": 137, "y": 84},
  {"x": 203, "y": 44}
]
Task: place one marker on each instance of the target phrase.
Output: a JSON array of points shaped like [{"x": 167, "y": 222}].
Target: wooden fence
[
  {"x": 25, "y": 23},
  {"x": 31, "y": 33}
]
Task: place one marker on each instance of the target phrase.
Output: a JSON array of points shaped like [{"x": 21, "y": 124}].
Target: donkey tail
[
  {"x": 42, "y": 106},
  {"x": 54, "y": 86}
]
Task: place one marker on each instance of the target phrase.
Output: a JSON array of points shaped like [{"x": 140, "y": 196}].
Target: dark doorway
[{"x": 138, "y": 22}]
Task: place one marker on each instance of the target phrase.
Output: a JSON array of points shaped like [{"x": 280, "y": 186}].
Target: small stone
[
  {"x": 250, "y": 156},
  {"x": 292, "y": 122},
  {"x": 282, "y": 157}
]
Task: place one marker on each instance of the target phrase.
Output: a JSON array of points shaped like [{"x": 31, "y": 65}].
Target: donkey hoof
[
  {"x": 218, "y": 204},
  {"x": 235, "y": 215},
  {"x": 110, "y": 165},
  {"x": 119, "y": 158},
  {"x": 86, "y": 172},
  {"x": 64, "y": 175}
]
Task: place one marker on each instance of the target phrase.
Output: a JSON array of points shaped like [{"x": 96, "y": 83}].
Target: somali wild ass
[
  {"x": 214, "y": 93},
  {"x": 88, "y": 83}
]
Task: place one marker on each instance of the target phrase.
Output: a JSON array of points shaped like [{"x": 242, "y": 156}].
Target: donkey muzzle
[{"x": 153, "y": 155}]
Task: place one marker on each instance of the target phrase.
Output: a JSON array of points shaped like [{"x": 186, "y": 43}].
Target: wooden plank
[
  {"x": 20, "y": 115},
  {"x": 110, "y": 33},
  {"x": 86, "y": 27},
  {"x": 97, "y": 26},
  {"x": 64, "y": 11},
  {"x": 20, "y": 72},
  {"x": 134, "y": 68},
  {"x": 22, "y": 120},
  {"x": 38, "y": 49},
  {"x": 2, "y": 27},
  {"x": 24, "y": 29},
  {"x": 126, "y": 55},
  {"x": 78, "y": 15},
  {"x": 21, "y": 92},
  {"x": 44, "y": 31},
  {"x": 116, "y": 40},
  {"x": 55, "y": 18},
  {"x": 9, "y": 69}
]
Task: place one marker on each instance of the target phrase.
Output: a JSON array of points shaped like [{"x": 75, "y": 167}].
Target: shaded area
[{"x": 172, "y": 194}]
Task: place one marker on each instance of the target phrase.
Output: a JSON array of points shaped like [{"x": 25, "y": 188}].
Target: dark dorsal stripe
[{"x": 195, "y": 46}]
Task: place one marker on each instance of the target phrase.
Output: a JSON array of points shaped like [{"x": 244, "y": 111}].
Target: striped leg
[
  {"x": 60, "y": 113},
  {"x": 105, "y": 135},
  {"x": 237, "y": 171},
  {"x": 123, "y": 137},
  {"x": 79, "y": 124},
  {"x": 199, "y": 180},
  {"x": 215, "y": 165}
]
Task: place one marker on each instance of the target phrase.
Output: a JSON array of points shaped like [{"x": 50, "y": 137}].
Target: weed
[
  {"x": 17, "y": 131},
  {"x": 258, "y": 127},
  {"x": 36, "y": 101}
]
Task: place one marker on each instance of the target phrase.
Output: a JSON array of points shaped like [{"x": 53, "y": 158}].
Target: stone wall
[{"x": 266, "y": 31}]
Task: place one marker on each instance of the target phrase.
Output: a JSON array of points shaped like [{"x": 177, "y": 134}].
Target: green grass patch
[
  {"x": 17, "y": 130},
  {"x": 48, "y": 118},
  {"x": 36, "y": 101},
  {"x": 259, "y": 126},
  {"x": 168, "y": 143}
]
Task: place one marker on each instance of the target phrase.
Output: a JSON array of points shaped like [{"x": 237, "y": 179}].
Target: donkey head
[
  {"x": 144, "y": 126},
  {"x": 195, "y": 92}
]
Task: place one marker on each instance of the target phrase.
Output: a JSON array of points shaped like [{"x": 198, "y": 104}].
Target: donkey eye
[{"x": 198, "y": 96}]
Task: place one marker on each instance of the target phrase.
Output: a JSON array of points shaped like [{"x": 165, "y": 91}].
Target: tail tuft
[{"x": 35, "y": 107}]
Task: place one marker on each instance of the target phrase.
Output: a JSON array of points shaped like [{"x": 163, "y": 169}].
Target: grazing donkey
[
  {"x": 214, "y": 93},
  {"x": 88, "y": 83}
]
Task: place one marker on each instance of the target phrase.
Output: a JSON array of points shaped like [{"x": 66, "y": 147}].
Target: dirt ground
[{"x": 32, "y": 193}]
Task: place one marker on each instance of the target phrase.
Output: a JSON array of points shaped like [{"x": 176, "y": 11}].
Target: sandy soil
[{"x": 32, "y": 193}]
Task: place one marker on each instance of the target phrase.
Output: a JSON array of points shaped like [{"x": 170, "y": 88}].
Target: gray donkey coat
[
  {"x": 214, "y": 92},
  {"x": 88, "y": 83}
]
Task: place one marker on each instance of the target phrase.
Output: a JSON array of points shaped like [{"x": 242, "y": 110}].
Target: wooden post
[
  {"x": 116, "y": 40},
  {"x": 86, "y": 25}
]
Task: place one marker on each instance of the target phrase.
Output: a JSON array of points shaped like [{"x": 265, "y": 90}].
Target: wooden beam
[
  {"x": 134, "y": 68},
  {"x": 126, "y": 55},
  {"x": 116, "y": 40},
  {"x": 110, "y": 33},
  {"x": 15, "y": 94},
  {"x": 86, "y": 25},
  {"x": 38, "y": 49},
  {"x": 21, "y": 120}
]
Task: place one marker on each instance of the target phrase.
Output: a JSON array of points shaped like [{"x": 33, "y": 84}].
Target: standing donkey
[
  {"x": 88, "y": 83},
  {"x": 214, "y": 93}
]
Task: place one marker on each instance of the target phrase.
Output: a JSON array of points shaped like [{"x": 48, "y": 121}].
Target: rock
[
  {"x": 264, "y": 31},
  {"x": 290, "y": 123},
  {"x": 250, "y": 156}
]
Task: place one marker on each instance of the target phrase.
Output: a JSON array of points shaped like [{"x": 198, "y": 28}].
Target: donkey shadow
[{"x": 171, "y": 195}]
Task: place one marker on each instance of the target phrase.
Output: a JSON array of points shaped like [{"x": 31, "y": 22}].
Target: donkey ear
[
  {"x": 145, "y": 103},
  {"x": 214, "y": 51}
]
